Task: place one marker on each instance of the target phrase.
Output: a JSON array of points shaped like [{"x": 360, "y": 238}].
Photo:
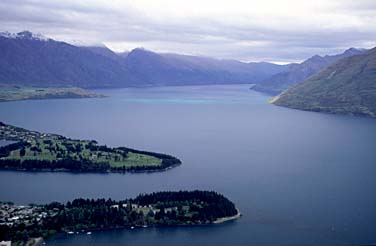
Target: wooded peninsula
[
  {"x": 35, "y": 151},
  {"x": 21, "y": 224}
]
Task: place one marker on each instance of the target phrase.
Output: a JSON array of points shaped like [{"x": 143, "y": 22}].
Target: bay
[{"x": 299, "y": 178}]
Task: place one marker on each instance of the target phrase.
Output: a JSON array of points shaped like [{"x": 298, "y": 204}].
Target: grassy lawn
[
  {"x": 31, "y": 155},
  {"x": 145, "y": 211},
  {"x": 137, "y": 160},
  {"x": 53, "y": 149}
]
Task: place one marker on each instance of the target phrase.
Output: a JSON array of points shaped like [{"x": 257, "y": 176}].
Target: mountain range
[
  {"x": 175, "y": 69},
  {"x": 297, "y": 73},
  {"x": 345, "y": 87},
  {"x": 30, "y": 59}
]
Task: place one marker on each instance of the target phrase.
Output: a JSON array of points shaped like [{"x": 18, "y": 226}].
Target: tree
[{"x": 22, "y": 152}]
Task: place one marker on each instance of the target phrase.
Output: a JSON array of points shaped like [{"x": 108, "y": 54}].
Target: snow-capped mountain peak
[{"x": 24, "y": 35}]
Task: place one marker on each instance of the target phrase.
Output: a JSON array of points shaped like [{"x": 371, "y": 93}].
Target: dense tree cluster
[
  {"x": 161, "y": 208},
  {"x": 216, "y": 205}
]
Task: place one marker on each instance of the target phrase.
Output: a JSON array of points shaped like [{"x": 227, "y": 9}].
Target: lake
[{"x": 299, "y": 178}]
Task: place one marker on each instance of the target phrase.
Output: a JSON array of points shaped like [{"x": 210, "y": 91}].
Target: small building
[
  {"x": 5, "y": 243},
  {"x": 15, "y": 218}
]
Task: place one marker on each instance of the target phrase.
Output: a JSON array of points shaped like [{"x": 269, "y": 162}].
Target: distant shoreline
[{"x": 16, "y": 93}]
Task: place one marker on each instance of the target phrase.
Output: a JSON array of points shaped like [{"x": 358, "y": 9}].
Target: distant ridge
[
  {"x": 175, "y": 69},
  {"x": 346, "y": 87},
  {"x": 29, "y": 59},
  {"x": 297, "y": 73},
  {"x": 104, "y": 51}
]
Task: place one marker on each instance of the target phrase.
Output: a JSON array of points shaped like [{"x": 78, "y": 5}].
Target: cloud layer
[{"x": 268, "y": 30}]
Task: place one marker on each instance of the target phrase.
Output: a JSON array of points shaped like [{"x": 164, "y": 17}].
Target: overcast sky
[{"x": 248, "y": 30}]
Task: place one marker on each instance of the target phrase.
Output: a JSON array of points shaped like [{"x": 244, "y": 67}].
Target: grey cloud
[{"x": 95, "y": 23}]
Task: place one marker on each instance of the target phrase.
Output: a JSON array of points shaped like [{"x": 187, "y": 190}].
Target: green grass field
[
  {"x": 134, "y": 159},
  {"x": 55, "y": 149}
]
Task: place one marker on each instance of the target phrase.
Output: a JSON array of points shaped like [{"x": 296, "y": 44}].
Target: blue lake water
[{"x": 299, "y": 178}]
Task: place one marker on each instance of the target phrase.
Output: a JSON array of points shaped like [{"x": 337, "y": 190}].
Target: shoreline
[
  {"x": 227, "y": 219},
  {"x": 66, "y": 233},
  {"x": 132, "y": 227},
  {"x": 50, "y": 98},
  {"x": 92, "y": 172}
]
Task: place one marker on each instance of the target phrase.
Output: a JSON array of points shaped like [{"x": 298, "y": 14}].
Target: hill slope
[
  {"x": 30, "y": 61},
  {"x": 297, "y": 73},
  {"x": 346, "y": 87}
]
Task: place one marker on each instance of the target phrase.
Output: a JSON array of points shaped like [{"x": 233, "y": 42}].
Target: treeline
[
  {"x": 174, "y": 208},
  {"x": 83, "y": 165},
  {"x": 53, "y": 165}
]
